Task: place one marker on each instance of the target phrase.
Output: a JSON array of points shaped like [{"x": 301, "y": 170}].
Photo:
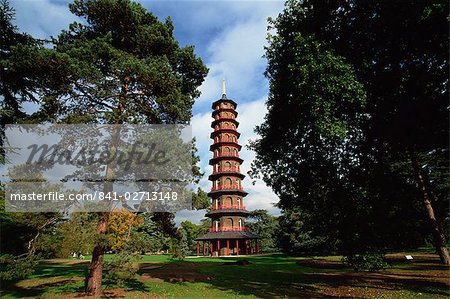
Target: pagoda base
[{"x": 228, "y": 244}]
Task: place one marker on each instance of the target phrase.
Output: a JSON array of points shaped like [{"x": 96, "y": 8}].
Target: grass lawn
[{"x": 272, "y": 276}]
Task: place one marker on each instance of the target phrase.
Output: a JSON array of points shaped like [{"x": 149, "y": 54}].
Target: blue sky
[{"x": 229, "y": 36}]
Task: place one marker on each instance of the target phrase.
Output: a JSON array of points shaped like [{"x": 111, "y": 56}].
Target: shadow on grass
[
  {"x": 265, "y": 276},
  {"x": 64, "y": 286},
  {"x": 51, "y": 270},
  {"x": 278, "y": 276},
  {"x": 11, "y": 289}
]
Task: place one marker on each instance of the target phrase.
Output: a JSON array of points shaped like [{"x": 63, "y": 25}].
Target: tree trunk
[
  {"x": 94, "y": 280},
  {"x": 438, "y": 236}
]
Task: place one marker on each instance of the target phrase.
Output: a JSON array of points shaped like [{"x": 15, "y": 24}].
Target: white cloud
[
  {"x": 42, "y": 18},
  {"x": 236, "y": 56},
  {"x": 193, "y": 216}
]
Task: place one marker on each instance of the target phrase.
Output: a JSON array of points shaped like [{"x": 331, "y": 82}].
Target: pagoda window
[
  {"x": 228, "y": 182},
  {"x": 227, "y": 149},
  {"x": 229, "y": 222},
  {"x": 239, "y": 202},
  {"x": 227, "y": 165},
  {"x": 240, "y": 222},
  {"x": 228, "y": 201}
]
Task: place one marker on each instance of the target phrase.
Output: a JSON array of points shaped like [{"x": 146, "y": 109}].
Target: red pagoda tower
[{"x": 228, "y": 234}]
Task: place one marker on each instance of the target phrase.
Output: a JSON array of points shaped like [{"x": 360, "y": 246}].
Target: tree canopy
[{"x": 357, "y": 124}]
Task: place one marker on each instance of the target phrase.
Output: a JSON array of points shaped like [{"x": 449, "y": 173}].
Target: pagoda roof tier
[
  {"x": 221, "y": 130},
  {"x": 216, "y": 121},
  {"x": 223, "y": 100},
  {"x": 219, "y": 192},
  {"x": 221, "y": 143},
  {"x": 222, "y": 173},
  {"x": 225, "y": 109},
  {"x": 217, "y": 132},
  {"x": 227, "y": 235},
  {"x": 216, "y": 159},
  {"x": 227, "y": 212}
]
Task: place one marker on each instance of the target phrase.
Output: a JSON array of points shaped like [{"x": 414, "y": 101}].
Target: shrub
[
  {"x": 14, "y": 268},
  {"x": 179, "y": 247},
  {"x": 119, "y": 269},
  {"x": 368, "y": 261}
]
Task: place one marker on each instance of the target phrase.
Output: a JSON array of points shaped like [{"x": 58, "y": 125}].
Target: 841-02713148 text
[{"x": 98, "y": 196}]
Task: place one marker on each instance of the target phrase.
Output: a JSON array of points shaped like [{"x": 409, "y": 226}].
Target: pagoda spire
[{"x": 224, "y": 90}]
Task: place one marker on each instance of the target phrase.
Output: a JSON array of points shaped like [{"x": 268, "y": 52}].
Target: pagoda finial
[{"x": 224, "y": 91}]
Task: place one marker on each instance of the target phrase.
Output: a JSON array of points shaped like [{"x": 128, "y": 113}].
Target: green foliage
[
  {"x": 297, "y": 236},
  {"x": 179, "y": 248},
  {"x": 126, "y": 66},
  {"x": 200, "y": 199},
  {"x": 356, "y": 90},
  {"x": 120, "y": 268},
  {"x": 266, "y": 226},
  {"x": 193, "y": 231},
  {"x": 77, "y": 235},
  {"x": 366, "y": 261},
  {"x": 154, "y": 234},
  {"x": 120, "y": 65},
  {"x": 14, "y": 268},
  {"x": 24, "y": 230}
]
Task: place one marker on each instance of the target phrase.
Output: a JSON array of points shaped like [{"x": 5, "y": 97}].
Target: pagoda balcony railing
[
  {"x": 223, "y": 107},
  {"x": 225, "y": 140},
  {"x": 224, "y": 187},
  {"x": 224, "y": 127},
  {"x": 225, "y": 169},
  {"x": 226, "y": 154},
  {"x": 228, "y": 229},
  {"x": 224, "y": 117},
  {"x": 228, "y": 207}
]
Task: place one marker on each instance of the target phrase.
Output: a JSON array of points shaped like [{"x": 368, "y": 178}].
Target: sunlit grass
[{"x": 275, "y": 275}]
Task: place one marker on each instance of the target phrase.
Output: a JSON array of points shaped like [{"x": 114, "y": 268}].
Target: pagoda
[{"x": 228, "y": 234}]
